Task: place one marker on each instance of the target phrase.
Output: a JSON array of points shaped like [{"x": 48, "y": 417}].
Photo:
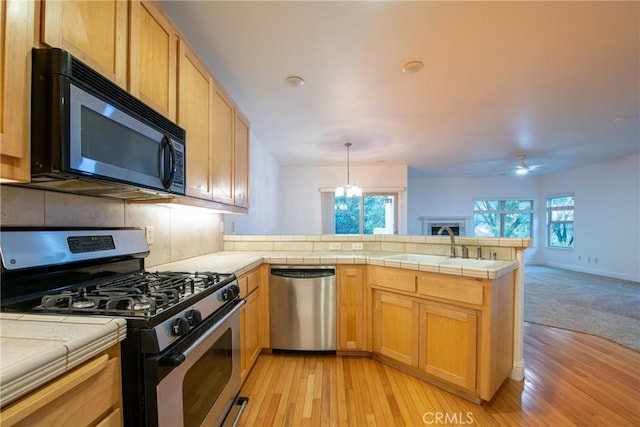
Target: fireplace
[{"x": 430, "y": 226}]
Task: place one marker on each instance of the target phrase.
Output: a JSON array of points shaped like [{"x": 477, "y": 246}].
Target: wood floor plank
[{"x": 571, "y": 379}]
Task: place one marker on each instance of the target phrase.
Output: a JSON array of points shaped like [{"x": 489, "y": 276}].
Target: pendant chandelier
[{"x": 348, "y": 190}]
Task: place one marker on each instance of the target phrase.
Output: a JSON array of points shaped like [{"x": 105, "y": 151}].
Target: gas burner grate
[{"x": 138, "y": 294}]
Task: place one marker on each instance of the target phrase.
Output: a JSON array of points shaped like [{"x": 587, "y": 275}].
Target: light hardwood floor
[{"x": 571, "y": 379}]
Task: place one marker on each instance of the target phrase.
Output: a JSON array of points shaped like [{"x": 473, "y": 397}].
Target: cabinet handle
[{"x": 48, "y": 393}]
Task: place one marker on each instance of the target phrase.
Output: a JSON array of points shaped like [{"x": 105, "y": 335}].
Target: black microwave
[{"x": 89, "y": 136}]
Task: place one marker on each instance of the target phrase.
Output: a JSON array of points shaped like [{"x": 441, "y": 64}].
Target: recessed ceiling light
[
  {"x": 294, "y": 81},
  {"x": 412, "y": 67}
]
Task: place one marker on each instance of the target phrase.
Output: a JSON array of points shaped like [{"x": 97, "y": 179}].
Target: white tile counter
[
  {"x": 240, "y": 262},
  {"x": 35, "y": 349}
]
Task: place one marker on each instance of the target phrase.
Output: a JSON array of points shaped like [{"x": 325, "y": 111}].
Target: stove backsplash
[{"x": 179, "y": 233}]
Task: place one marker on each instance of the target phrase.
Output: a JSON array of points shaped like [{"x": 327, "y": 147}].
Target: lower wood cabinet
[
  {"x": 395, "y": 327},
  {"x": 249, "y": 332},
  {"x": 448, "y": 343},
  {"x": 90, "y": 394},
  {"x": 455, "y": 330},
  {"x": 250, "y": 320},
  {"x": 351, "y": 324}
]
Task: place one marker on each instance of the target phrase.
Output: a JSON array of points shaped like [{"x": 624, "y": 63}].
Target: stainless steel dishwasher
[{"x": 302, "y": 306}]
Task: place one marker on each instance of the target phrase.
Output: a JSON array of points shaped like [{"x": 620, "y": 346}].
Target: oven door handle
[{"x": 176, "y": 359}]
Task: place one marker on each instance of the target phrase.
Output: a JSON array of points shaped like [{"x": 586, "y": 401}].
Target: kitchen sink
[
  {"x": 470, "y": 263},
  {"x": 428, "y": 259}
]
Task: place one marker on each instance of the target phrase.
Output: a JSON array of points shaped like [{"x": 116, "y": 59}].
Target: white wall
[
  {"x": 607, "y": 212},
  {"x": 453, "y": 198},
  {"x": 264, "y": 183},
  {"x": 607, "y": 219},
  {"x": 300, "y": 207}
]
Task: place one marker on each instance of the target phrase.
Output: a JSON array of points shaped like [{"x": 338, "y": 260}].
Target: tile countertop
[
  {"x": 35, "y": 349},
  {"x": 240, "y": 262}
]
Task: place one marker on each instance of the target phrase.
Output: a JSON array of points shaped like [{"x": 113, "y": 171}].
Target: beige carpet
[{"x": 597, "y": 305}]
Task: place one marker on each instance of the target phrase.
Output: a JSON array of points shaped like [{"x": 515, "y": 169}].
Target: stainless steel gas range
[{"x": 181, "y": 357}]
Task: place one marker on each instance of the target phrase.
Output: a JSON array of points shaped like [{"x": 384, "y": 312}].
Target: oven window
[{"x": 206, "y": 379}]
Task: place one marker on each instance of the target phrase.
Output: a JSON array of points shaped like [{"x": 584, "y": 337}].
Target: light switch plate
[
  {"x": 356, "y": 246},
  {"x": 334, "y": 246}
]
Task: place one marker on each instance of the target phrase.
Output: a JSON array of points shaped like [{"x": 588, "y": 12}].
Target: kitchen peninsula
[{"x": 396, "y": 296}]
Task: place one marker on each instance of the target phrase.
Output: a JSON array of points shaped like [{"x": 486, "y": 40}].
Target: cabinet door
[
  {"x": 152, "y": 57},
  {"x": 448, "y": 339},
  {"x": 93, "y": 31},
  {"x": 249, "y": 333},
  {"x": 395, "y": 327},
  {"x": 195, "y": 112},
  {"x": 16, "y": 40},
  {"x": 241, "y": 162},
  {"x": 351, "y": 308},
  {"x": 223, "y": 124}
]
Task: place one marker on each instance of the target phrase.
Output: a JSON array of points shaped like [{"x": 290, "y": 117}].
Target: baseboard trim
[{"x": 517, "y": 372}]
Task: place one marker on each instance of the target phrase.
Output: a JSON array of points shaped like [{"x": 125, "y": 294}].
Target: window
[
  {"x": 368, "y": 214},
  {"x": 560, "y": 222},
  {"x": 502, "y": 218}
]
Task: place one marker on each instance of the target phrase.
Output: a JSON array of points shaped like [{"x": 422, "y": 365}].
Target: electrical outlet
[
  {"x": 334, "y": 246},
  {"x": 148, "y": 231},
  {"x": 356, "y": 246}
]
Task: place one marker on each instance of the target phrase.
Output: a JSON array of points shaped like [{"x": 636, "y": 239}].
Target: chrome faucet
[{"x": 453, "y": 240}]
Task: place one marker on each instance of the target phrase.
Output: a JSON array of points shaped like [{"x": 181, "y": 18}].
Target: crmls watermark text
[{"x": 436, "y": 418}]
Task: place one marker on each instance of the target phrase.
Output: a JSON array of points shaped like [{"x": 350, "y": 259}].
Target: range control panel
[{"x": 81, "y": 244}]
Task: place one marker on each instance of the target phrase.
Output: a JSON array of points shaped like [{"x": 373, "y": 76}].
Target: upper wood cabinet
[
  {"x": 223, "y": 143},
  {"x": 152, "y": 62},
  {"x": 16, "y": 40},
  {"x": 93, "y": 31},
  {"x": 195, "y": 113},
  {"x": 241, "y": 162}
]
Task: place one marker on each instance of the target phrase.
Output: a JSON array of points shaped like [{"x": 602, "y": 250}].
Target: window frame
[
  {"x": 549, "y": 222},
  {"x": 502, "y": 212},
  {"x": 393, "y": 194}
]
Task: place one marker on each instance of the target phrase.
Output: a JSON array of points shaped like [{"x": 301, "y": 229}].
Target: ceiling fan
[{"x": 522, "y": 168}]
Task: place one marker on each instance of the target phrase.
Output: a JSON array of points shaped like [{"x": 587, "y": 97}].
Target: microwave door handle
[{"x": 167, "y": 166}]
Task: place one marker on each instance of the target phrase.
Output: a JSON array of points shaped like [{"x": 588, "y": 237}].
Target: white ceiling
[{"x": 500, "y": 79}]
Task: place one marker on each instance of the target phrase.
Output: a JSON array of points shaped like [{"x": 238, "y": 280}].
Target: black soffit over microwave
[{"x": 89, "y": 136}]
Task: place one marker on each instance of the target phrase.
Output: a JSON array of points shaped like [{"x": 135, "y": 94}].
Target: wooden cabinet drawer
[
  {"x": 453, "y": 288},
  {"x": 249, "y": 282},
  {"x": 243, "y": 282},
  {"x": 253, "y": 280},
  {"x": 393, "y": 278},
  {"x": 81, "y": 397}
]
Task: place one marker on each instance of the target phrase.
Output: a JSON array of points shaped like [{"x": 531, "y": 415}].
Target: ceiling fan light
[{"x": 520, "y": 170}]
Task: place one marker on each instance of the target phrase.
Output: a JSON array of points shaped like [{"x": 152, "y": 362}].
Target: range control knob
[
  {"x": 230, "y": 293},
  {"x": 180, "y": 326},
  {"x": 194, "y": 317}
]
